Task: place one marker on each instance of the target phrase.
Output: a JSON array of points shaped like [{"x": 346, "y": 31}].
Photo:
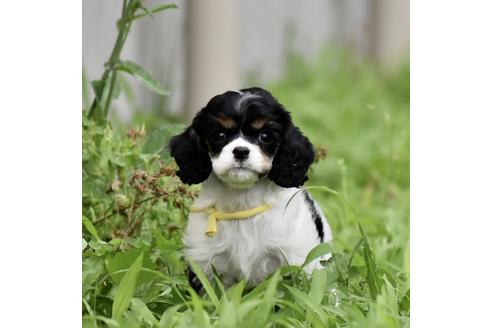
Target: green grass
[{"x": 362, "y": 120}]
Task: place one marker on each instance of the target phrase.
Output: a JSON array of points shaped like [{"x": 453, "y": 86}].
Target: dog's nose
[{"x": 240, "y": 153}]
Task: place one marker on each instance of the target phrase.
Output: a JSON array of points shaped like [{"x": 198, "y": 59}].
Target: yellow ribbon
[{"x": 214, "y": 215}]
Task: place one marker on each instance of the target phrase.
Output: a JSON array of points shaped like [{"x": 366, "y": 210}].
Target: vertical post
[
  {"x": 211, "y": 61},
  {"x": 392, "y": 32}
]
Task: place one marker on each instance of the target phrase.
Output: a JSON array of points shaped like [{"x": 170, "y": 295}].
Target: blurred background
[{"x": 207, "y": 47}]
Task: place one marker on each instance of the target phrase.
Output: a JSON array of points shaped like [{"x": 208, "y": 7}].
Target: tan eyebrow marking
[
  {"x": 226, "y": 122},
  {"x": 259, "y": 123}
]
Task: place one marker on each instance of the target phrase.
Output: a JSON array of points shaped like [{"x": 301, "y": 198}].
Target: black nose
[{"x": 240, "y": 153}]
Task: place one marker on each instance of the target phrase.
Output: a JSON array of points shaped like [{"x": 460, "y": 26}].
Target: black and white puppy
[{"x": 247, "y": 152}]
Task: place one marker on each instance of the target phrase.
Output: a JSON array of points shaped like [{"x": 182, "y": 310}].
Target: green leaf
[
  {"x": 126, "y": 288},
  {"x": 90, "y": 227},
  {"x": 139, "y": 307},
  {"x": 260, "y": 316},
  {"x": 235, "y": 292},
  {"x": 404, "y": 305},
  {"x": 258, "y": 290},
  {"x": 318, "y": 251},
  {"x": 98, "y": 88},
  {"x": 318, "y": 285},
  {"x": 205, "y": 283},
  {"x": 122, "y": 260},
  {"x": 129, "y": 320},
  {"x": 372, "y": 277},
  {"x": 200, "y": 314},
  {"x": 142, "y": 76},
  {"x": 246, "y": 307},
  {"x": 304, "y": 300},
  {"x": 168, "y": 318},
  {"x": 92, "y": 268},
  {"x": 219, "y": 284},
  {"x": 166, "y": 246},
  {"x": 149, "y": 12},
  {"x": 90, "y": 321},
  {"x": 228, "y": 317},
  {"x": 290, "y": 269}
]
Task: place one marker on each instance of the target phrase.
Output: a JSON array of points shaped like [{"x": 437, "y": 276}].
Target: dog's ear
[
  {"x": 292, "y": 159},
  {"x": 191, "y": 156}
]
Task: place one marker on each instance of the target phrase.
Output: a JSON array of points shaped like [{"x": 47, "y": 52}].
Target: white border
[
  {"x": 451, "y": 163},
  {"x": 40, "y": 165}
]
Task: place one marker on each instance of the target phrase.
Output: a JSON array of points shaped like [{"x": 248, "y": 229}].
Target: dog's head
[{"x": 243, "y": 136}]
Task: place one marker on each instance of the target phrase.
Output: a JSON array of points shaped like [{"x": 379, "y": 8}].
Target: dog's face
[{"x": 243, "y": 136}]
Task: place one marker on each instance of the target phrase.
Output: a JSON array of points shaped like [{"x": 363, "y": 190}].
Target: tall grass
[{"x": 361, "y": 119}]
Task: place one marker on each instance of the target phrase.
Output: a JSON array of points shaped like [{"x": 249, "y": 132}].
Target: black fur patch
[
  {"x": 315, "y": 215},
  {"x": 191, "y": 156},
  {"x": 293, "y": 157},
  {"x": 194, "y": 281}
]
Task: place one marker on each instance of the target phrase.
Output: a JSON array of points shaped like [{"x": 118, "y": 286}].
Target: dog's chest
[
  {"x": 249, "y": 248},
  {"x": 253, "y": 247},
  {"x": 252, "y": 235}
]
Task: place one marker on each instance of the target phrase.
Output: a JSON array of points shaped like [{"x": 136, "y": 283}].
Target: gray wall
[{"x": 378, "y": 29}]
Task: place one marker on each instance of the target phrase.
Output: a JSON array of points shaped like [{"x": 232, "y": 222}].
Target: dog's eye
[
  {"x": 266, "y": 137},
  {"x": 218, "y": 137}
]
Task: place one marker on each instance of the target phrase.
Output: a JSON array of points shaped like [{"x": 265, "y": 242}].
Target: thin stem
[
  {"x": 123, "y": 8},
  {"x": 155, "y": 10},
  {"x": 110, "y": 93},
  {"x": 126, "y": 208},
  {"x": 132, "y": 208},
  {"x": 123, "y": 28}
]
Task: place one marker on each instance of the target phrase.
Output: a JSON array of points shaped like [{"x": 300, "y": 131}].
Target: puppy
[{"x": 250, "y": 217}]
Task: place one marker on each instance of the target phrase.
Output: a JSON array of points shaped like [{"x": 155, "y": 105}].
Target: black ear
[
  {"x": 292, "y": 159},
  {"x": 191, "y": 156}
]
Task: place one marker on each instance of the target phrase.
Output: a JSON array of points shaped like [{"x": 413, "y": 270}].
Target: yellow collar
[{"x": 214, "y": 215}]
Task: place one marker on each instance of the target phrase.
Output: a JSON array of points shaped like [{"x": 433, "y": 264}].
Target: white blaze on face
[{"x": 241, "y": 174}]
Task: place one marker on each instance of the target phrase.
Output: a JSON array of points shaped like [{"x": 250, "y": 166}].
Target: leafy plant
[
  {"x": 134, "y": 208},
  {"x": 105, "y": 89}
]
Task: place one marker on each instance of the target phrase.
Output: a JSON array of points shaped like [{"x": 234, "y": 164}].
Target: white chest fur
[{"x": 253, "y": 248}]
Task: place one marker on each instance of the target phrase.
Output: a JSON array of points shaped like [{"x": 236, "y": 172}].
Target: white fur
[
  {"x": 241, "y": 174},
  {"x": 253, "y": 248}
]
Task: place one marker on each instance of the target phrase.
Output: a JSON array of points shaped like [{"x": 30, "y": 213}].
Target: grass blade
[
  {"x": 169, "y": 317},
  {"x": 90, "y": 227},
  {"x": 205, "y": 282},
  {"x": 234, "y": 293},
  {"x": 318, "y": 251},
  {"x": 228, "y": 314},
  {"x": 200, "y": 315},
  {"x": 246, "y": 307},
  {"x": 318, "y": 285},
  {"x": 333, "y": 192},
  {"x": 126, "y": 288},
  {"x": 260, "y": 317},
  {"x": 140, "y": 308},
  {"x": 372, "y": 277},
  {"x": 310, "y": 307}
]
